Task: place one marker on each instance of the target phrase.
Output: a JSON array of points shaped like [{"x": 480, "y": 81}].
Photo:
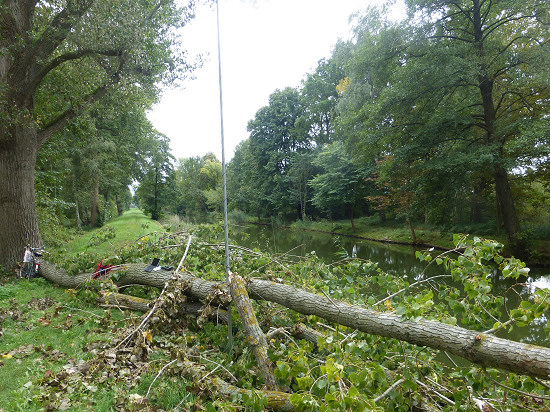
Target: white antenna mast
[{"x": 225, "y": 222}]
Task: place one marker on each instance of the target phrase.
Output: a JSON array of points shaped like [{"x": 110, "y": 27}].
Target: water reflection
[{"x": 398, "y": 260}]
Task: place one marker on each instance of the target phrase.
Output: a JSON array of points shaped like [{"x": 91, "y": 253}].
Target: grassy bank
[
  {"x": 47, "y": 331},
  {"x": 371, "y": 228},
  {"x": 118, "y": 232}
]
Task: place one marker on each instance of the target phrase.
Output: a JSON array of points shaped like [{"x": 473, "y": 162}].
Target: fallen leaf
[{"x": 147, "y": 335}]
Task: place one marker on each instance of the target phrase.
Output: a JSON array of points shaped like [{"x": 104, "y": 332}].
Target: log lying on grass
[{"x": 483, "y": 349}]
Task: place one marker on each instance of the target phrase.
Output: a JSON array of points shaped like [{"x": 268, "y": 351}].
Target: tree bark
[
  {"x": 256, "y": 337},
  {"x": 18, "y": 218},
  {"x": 479, "y": 348}
]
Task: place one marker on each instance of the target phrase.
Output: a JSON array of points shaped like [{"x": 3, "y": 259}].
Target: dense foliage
[
  {"x": 439, "y": 118},
  {"x": 342, "y": 370},
  {"x": 76, "y": 78}
]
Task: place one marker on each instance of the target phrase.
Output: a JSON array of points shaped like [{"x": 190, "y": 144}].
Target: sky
[{"x": 265, "y": 45}]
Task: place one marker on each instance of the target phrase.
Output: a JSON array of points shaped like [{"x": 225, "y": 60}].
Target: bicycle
[{"x": 31, "y": 263}]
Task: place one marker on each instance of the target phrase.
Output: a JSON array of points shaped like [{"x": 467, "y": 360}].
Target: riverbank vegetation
[
  {"x": 436, "y": 125},
  {"x": 437, "y": 121},
  {"x": 82, "y": 347},
  {"x": 408, "y": 132}
]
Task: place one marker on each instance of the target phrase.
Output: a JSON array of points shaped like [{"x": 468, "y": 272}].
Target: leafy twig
[
  {"x": 408, "y": 287},
  {"x": 435, "y": 392},
  {"x": 154, "y": 308},
  {"x": 389, "y": 390}
]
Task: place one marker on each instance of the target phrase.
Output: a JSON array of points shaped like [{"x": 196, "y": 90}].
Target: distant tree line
[{"x": 440, "y": 118}]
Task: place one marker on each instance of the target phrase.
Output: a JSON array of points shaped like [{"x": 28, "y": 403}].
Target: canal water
[{"x": 398, "y": 260}]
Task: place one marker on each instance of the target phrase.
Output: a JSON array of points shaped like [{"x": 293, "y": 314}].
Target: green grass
[
  {"x": 44, "y": 328},
  {"x": 127, "y": 228}
]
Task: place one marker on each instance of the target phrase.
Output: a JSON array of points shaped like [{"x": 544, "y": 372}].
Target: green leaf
[
  {"x": 322, "y": 383},
  {"x": 329, "y": 397}
]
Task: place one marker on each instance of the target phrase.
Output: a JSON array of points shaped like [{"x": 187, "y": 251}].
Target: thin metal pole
[{"x": 224, "y": 180}]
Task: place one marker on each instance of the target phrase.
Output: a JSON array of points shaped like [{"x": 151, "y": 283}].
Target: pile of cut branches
[{"x": 319, "y": 337}]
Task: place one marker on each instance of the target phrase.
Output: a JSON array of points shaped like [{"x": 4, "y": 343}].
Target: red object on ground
[{"x": 101, "y": 270}]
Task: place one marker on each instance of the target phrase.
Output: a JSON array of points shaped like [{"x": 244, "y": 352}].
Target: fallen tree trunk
[
  {"x": 482, "y": 349},
  {"x": 134, "y": 274},
  {"x": 254, "y": 333}
]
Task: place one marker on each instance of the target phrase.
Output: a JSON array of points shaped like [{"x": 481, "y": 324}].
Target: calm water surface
[{"x": 398, "y": 260}]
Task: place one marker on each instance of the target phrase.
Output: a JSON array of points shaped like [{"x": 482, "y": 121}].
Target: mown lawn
[
  {"x": 119, "y": 232},
  {"x": 45, "y": 329}
]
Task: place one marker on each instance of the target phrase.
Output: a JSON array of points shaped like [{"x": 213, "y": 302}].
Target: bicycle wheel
[
  {"x": 30, "y": 270},
  {"x": 25, "y": 271}
]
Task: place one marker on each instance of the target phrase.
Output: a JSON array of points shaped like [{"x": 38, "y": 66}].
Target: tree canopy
[{"x": 58, "y": 60}]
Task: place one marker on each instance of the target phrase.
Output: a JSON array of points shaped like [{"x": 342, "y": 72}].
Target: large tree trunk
[
  {"x": 119, "y": 208},
  {"x": 95, "y": 203},
  {"x": 486, "y": 86},
  {"x": 155, "y": 213},
  {"x": 18, "y": 219},
  {"x": 413, "y": 233},
  {"x": 477, "y": 347},
  {"x": 18, "y": 138}
]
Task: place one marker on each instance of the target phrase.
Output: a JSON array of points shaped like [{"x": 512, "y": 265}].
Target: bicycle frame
[{"x": 31, "y": 263}]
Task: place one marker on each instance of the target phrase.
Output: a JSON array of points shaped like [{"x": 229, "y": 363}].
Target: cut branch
[
  {"x": 144, "y": 305},
  {"x": 279, "y": 401},
  {"x": 254, "y": 333}
]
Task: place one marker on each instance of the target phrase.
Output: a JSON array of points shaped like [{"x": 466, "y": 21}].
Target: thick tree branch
[
  {"x": 254, "y": 333},
  {"x": 44, "y": 70},
  {"x": 62, "y": 120},
  {"x": 492, "y": 27}
]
